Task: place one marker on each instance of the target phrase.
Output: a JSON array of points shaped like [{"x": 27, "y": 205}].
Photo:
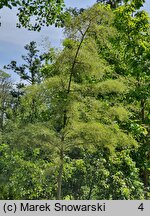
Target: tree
[
  {"x": 5, "y": 87},
  {"x": 80, "y": 89},
  {"x": 30, "y": 71},
  {"x": 112, "y": 3},
  {"x": 101, "y": 175},
  {"x": 70, "y": 100},
  {"x": 116, "y": 3},
  {"x": 129, "y": 56},
  {"x": 35, "y": 14},
  {"x": 25, "y": 174}
]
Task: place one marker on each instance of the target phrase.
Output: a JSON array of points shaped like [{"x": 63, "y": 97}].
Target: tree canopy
[{"x": 33, "y": 14}]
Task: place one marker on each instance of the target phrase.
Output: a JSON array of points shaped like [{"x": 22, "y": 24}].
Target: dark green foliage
[
  {"x": 30, "y": 71},
  {"x": 112, "y": 3},
  {"x": 100, "y": 175}
]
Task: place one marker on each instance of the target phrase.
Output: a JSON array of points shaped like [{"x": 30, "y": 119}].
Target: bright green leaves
[
  {"x": 133, "y": 39},
  {"x": 116, "y": 3},
  {"x": 122, "y": 187},
  {"x": 125, "y": 22},
  {"x": 35, "y": 14},
  {"x": 119, "y": 113},
  {"x": 90, "y": 21},
  {"x": 106, "y": 136},
  {"x": 44, "y": 13},
  {"x": 26, "y": 176},
  {"x": 109, "y": 87},
  {"x": 101, "y": 175}
]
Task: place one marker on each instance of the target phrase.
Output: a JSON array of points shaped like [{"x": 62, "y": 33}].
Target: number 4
[{"x": 141, "y": 207}]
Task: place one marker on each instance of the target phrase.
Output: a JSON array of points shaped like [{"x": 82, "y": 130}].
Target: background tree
[
  {"x": 129, "y": 53},
  {"x": 30, "y": 71},
  {"x": 5, "y": 88}
]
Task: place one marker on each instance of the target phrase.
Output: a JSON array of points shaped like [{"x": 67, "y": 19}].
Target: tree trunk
[
  {"x": 142, "y": 110},
  {"x": 90, "y": 192},
  {"x": 145, "y": 178},
  {"x": 145, "y": 173},
  {"x": 65, "y": 118},
  {"x": 60, "y": 173}
]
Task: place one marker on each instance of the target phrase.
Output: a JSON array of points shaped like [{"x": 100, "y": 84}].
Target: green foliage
[
  {"x": 111, "y": 87},
  {"x": 35, "y": 14},
  {"x": 26, "y": 177},
  {"x": 9, "y": 4},
  {"x": 112, "y": 3},
  {"x": 125, "y": 188},
  {"x": 99, "y": 175},
  {"x": 5, "y": 97},
  {"x": 30, "y": 71}
]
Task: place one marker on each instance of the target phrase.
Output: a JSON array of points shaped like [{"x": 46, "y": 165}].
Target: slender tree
[{"x": 5, "y": 88}]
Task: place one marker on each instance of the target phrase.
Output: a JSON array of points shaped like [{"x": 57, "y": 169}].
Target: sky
[{"x": 13, "y": 40}]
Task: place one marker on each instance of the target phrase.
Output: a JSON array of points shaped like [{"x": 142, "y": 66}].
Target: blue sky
[{"x": 13, "y": 40}]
